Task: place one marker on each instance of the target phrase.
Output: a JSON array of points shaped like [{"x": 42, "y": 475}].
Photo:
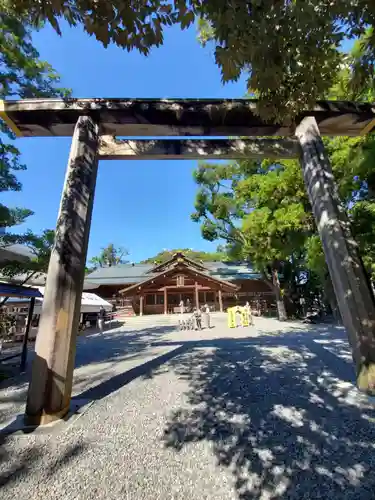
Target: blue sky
[{"x": 144, "y": 205}]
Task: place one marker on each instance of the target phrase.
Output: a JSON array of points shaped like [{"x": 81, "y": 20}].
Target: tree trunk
[
  {"x": 274, "y": 285},
  {"x": 292, "y": 309},
  {"x": 278, "y": 295},
  {"x": 330, "y": 297}
]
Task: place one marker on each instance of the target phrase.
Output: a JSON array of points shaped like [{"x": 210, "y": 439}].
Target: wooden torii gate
[{"x": 94, "y": 123}]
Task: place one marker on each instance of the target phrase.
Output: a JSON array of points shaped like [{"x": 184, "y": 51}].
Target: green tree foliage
[
  {"x": 260, "y": 209},
  {"x": 40, "y": 247},
  {"x": 9, "y": 165},
  {"x": 290, "y": 50},
  {"x": 109, "y": 256},
  {"x": 352, "y": 160},
  {"x": 22, "y": 75},
  {"x": 353, "y": 167},
  {"x": 196, "y": 255}
]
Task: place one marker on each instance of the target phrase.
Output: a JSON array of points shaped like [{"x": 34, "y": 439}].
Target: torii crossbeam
[{"x": 94, "y": 125}]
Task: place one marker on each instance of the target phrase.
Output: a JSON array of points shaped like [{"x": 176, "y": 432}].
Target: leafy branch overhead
[
  {"x": 22, "y": 75},
  {"x": 290, "y": 51}
]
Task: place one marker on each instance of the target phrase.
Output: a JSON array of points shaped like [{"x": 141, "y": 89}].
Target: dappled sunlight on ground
[
  {"x": 262, "y": 413},
  {"x": 282, "y": 420}
]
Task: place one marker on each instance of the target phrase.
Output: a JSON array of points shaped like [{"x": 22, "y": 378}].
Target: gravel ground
[{"x": 266, "y": 412}]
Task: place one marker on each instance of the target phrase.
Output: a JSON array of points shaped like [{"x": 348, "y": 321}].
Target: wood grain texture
[
  {"x": 352, "y": 287},
  {"x": 179, "y": 117},
  {"x": 195, "y": 149},
  {"x": 52, "y": 372}
]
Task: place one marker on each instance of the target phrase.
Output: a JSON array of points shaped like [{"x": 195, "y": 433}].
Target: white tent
[{"x": 91, "y": 303}]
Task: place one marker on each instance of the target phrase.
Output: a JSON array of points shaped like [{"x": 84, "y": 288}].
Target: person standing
[
  {"x": 181, "y": 306},
  {"x": 206, "y": 316},
  {"x": 101, "y": 317},
  {"x": 198, "y": 318},
  {"x": 238, "y": 313},
  {"x": 248, "y": 309}
]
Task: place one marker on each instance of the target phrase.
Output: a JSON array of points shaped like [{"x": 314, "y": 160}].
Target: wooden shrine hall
[
  {"x": 94, "y": 125},
  {"x": 180, "y": 278}
]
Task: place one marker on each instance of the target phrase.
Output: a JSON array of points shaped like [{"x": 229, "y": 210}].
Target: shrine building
[{"x": 159, "y": 288}]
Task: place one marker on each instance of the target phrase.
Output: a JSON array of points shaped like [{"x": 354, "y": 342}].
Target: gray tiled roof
[
  {"x": 38, "y": 279},
  {"x": 129, "y": 273},
  {"x": 116, "y": 280},
  {"x": 15, "y": 252},
  {"x": 120, "y": 271}
]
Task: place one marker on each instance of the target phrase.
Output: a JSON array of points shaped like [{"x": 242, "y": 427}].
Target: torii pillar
[
  {"x": 352, "y": 288},
  {"x": 52, "y": 372}
]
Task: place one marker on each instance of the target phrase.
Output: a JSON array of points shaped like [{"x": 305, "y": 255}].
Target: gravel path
[{"x": 266, "y": 412}]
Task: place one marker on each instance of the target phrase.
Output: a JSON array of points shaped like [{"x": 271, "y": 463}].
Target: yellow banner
[
  {"x": 244, "y": 316},
  {"x": 231, "y": 317}
]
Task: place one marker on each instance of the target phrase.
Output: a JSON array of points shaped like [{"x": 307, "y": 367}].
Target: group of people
[
  {"x": 238, "y": 311},
  {"x": 193, "y": 321}
]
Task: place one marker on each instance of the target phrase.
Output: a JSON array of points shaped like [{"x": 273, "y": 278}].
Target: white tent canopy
[{"x": 91, "y": 303}]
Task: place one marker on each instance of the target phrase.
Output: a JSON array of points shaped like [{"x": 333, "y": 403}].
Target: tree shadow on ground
[
  {"x": 15, "y": 466},
  {"x": 112, "y": 346},
  {"x": 116, "y": 382},
  {"x": 104, "y": 351},
  {"x": 281, "y": 414}
]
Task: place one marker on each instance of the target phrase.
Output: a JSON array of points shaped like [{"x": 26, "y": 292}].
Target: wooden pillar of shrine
[
  {"x": 51, "y": 382},
  {"x": 220, "y": 301},
  {"x": 165, "y": 301},
  {"x": 141, "y": 297},
  {"x": 352, "y": 288},
  {"x": 196, "y": 295}
]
